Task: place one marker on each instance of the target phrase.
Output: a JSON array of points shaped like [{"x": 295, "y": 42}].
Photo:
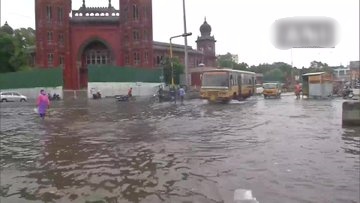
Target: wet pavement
[{"x": 284, "y": 150}]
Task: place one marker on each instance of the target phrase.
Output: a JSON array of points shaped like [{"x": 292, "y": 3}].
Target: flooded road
[{"x": 284, "y": 150}]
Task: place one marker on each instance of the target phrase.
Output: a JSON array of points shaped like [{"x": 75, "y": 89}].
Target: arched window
[
  {"x": 48, "y": 13},
  {"x": 145, "y": 12},
  {"x": 137, "y": 58},
  {"x": 127, "y": 61},
  {"x": 97, "y": 53},
  {"x": 145, "y": 37},
  {"x": 126, "y": 14},
  {"x": 135, "y": 12}
]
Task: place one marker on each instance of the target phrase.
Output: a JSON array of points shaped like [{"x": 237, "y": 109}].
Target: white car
[
  {"x": 12, "y": 96},
  {"x": 259, "y": 90}
]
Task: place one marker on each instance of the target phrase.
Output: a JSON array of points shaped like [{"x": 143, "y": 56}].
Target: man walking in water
[
  {"x": 182, "y": 94},
  {"x": 42, "y": 104}
]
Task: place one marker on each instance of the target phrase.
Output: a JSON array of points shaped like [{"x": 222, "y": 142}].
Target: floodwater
[{"x": 284, "y": 150}]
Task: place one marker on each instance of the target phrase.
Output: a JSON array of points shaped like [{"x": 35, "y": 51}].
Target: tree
[
  {"x": 178, "y": 69},
  {"x": 241, "y": 66},
  {"x": 25, "y": 37},
  {"x": 226, "y": 61},
  {"x": 318, "y": 66},
  {"x": 274, "y": 75},
  {"x": 13, "y": 48},
  {"x": 7, "y": 50}
]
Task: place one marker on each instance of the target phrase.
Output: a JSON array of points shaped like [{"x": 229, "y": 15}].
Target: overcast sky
[{"x": 240, "y": 27}]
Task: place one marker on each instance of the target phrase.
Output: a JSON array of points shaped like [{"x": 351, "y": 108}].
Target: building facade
[
  {"x": 75, "y": 39},
  {"x": 342, "y": 74}
]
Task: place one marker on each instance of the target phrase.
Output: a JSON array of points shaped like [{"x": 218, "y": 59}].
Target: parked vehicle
[
  {"x": 95, "y": 93},
  {"x": 272, "y": 90},
  {"x": 53, "y": 97},
  {"x": 12, "y": 96},
  {"x": 124, "y": 98},
  {"x": 259, "y": 89},
  {"x": 347, "y": 93},
  {"x": 163, "y": 97}
]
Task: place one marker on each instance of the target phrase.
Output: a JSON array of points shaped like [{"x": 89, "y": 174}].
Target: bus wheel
[
  {"x": 225, "y": 101},
  {"x": 235, "y": 96}
]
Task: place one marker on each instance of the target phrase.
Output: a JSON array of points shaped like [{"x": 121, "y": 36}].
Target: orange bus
[{"x": 223, "y": 85}]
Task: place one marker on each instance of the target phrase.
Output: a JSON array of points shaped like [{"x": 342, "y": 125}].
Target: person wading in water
[{"x": 42, "y": 104}]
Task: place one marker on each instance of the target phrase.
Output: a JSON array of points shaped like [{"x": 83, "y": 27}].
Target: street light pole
[
  {"x": 186, "y": 51},
  {"x": 171, "y": 54},
  {"x": 171, "y": 63},
  {"x": 0, "y": 14}
]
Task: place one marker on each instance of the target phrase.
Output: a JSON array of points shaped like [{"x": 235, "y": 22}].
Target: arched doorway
[{"x": 94, "y": 53}]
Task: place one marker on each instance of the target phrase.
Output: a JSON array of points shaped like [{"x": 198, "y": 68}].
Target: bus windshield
[
  {"x": 270, "y": 85},
  {"x": 218, "y": 79}
]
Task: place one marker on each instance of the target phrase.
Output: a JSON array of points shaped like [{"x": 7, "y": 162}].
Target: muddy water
[{"x": 284, "y": 150}]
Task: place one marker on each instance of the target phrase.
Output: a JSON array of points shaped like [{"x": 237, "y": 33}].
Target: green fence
[
  {"x": 52, "y": 77},
  {"x": 123, "y": 74}
]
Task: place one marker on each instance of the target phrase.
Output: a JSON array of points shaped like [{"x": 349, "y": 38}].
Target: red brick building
[{"x": 105, "y": 35}]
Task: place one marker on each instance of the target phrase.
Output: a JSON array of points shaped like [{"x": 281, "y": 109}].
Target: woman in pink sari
[{"x": 42, "y": 104}]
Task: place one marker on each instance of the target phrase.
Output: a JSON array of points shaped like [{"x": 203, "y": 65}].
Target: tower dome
[
  {"x": 7, "y": 29},
  {"x": 205, "y": 29}
]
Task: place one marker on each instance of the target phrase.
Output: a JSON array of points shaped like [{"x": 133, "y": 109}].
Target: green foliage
[
  {"x": 275, "y": 75},
  {"x": 226, "y": 61},
  {"x": 318, "y": 66},
  {"x": 25, "y": 37},
  {"x": 7, "y": 52},
  {"x": 178, "y": 69},
  {"x": 241, "y": 66},
  {"x": 13, "y": 49}
]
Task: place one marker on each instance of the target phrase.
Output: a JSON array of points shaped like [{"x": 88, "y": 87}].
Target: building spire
[
  {"x": 205, "y": 19},
  {"x": 84, "y": 4},
  {"x": 109, "y": 3}
]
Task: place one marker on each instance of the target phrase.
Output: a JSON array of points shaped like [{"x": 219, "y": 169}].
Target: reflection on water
[
  {"x": 283, "y": 150},
  {"x": 351, "y": 138}
]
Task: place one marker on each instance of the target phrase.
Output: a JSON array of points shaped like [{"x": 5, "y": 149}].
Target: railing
[{"x": 93, "y": 13}]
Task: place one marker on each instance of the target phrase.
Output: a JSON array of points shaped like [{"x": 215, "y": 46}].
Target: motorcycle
[
  {"x": 97, "y": 95},
  {"x": 347, "y": 94},
  {"x": 124, "y": 98},
  {"x": 53, "y": 97},
  {"x": 163, "y": 97}
]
